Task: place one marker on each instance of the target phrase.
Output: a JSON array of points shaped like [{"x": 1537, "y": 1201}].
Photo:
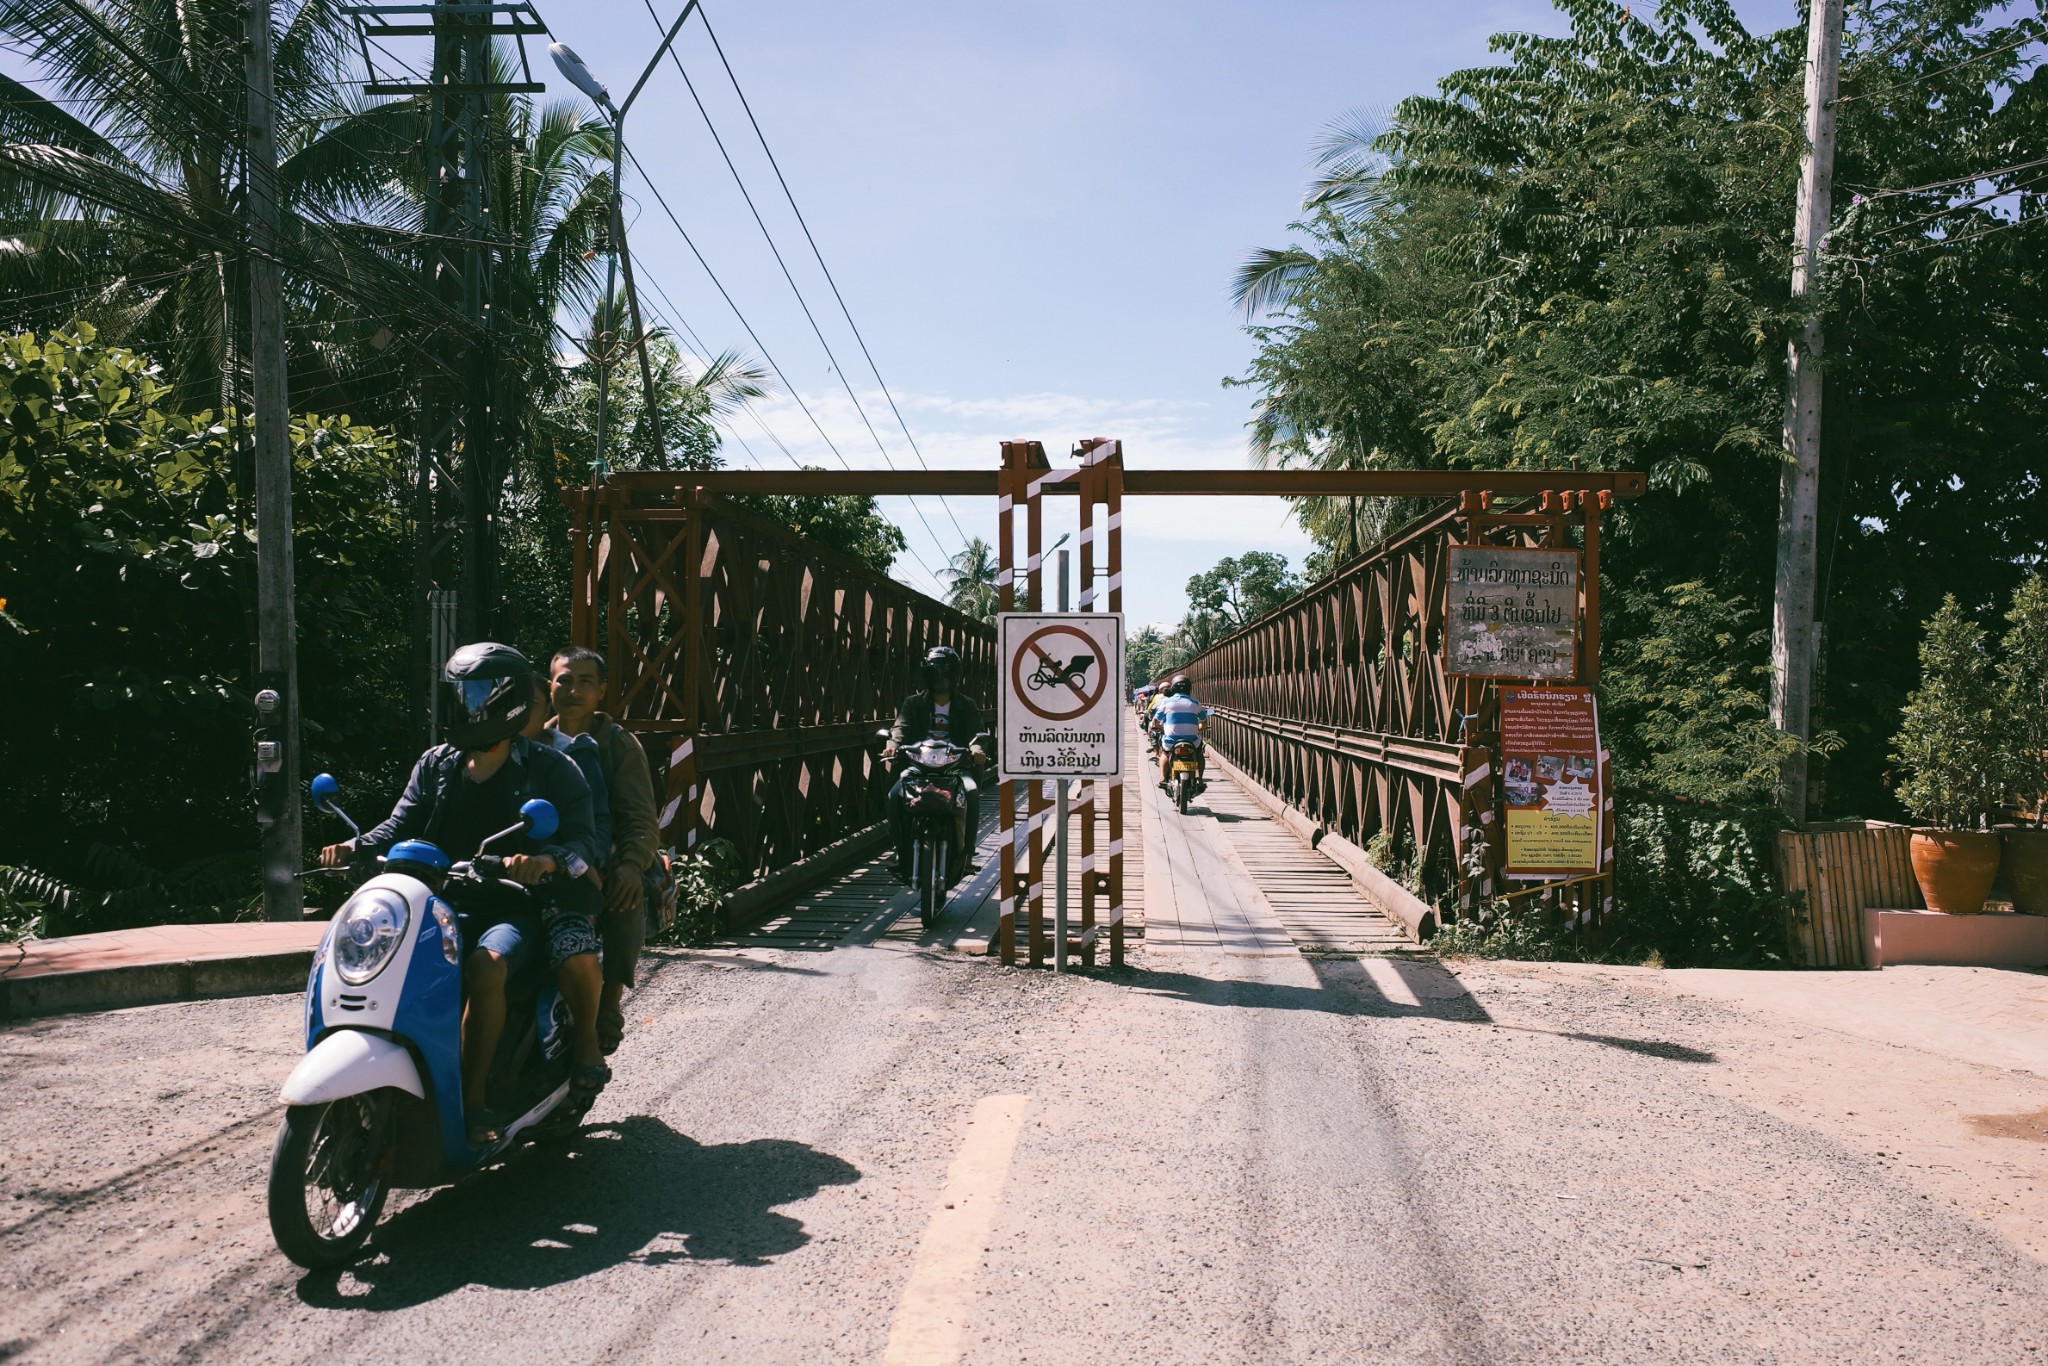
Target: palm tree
[
  {"x": 120, "y": 184},
  {"x": 971, "y": 580},
  {"x": 1349, "y": 188}
]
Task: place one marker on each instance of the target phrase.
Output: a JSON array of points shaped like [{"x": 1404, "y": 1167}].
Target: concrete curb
[{"x": 148, "y": 984}]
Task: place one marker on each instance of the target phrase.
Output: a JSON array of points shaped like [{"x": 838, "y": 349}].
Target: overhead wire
[
  {"x": 704, "y": 17},
  {"x": 802, "y": 303}
]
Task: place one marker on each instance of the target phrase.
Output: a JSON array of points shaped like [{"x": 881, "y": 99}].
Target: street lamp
[{"x": 571, "y": 66}]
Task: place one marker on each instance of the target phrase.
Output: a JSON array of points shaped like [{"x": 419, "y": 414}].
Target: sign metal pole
[{"x": 1059, "y": 842}]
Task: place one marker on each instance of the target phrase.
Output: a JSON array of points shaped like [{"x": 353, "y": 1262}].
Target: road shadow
[
  {"x": 1345, "y": 987},
  {"x": 634, "y": 1191}
]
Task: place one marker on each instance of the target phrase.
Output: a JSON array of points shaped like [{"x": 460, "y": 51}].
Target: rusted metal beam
[{"x": 1157, "y": 483}]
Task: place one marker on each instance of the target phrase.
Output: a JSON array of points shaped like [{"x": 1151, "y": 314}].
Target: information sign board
[
  {"x": 1513, "y": 613},
  {"x": 1058, "y": 698},
  {"x": 1552, "y": 777}
]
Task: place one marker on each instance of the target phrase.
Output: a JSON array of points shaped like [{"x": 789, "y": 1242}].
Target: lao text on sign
[
  {"x": 1056, "y": 704},
  {"x": 1553, "y": 781},
  {"x": 1512, "y": 613}
]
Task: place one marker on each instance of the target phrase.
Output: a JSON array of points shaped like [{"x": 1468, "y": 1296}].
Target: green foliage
[
  {"x": 851, "y": 523},
  {"x": 1578, "y": 256},
  {"x": 971, "y": 580},
  {"x": 1511, "y": 931},
  {"x": 704, "y": 877},
  {"x": 126, "y": 654},
  {"x": 1697, "y": 886},
  {"x": 1153, "y": 654},
  {"x": 1954, "y": 748},
  {"x": 2023, "y": 693},
  {"x": 1238, "y": 591},
  {"x": 1686, "y": 695}
]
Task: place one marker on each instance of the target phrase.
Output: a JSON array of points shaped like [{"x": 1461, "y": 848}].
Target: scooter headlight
[{"x": 367, "y": 934}]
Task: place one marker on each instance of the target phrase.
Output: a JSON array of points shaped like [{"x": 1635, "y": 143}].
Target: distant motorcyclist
[
  {"x": 939, "y": 712},
  {"x": 1181, "y": 717},
  {"x": 460, "y": 794},
  {"x": 1160, "y": 691}
]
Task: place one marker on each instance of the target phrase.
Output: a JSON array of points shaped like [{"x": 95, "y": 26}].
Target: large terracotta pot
[
  {"x": 2026, "y": 869},
  {"x": 1955, "y": 868}
]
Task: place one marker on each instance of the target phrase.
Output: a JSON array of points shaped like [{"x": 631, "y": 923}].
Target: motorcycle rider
[
  {"x": 459, "y": 795},
  {"x": 1181, "y": 717},
  {"x": 1160, "y": 691},
  {"x": 936, "y": 713}
]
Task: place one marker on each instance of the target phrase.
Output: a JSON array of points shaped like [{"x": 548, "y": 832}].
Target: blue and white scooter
[{"x": 377, "y": 1100}]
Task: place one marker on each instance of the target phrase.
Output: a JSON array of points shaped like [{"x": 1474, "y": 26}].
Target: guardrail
[{"x": 754, "y": 664}]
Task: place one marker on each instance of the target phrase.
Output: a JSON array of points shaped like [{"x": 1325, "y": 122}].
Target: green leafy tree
[
  {"x": 971, "y": 579},
  {"x": 1239, "y": 590},
  {"x": 1578, "y": 256},
  {"x": 2023, "y": 690},
  {"x": 126, "y": 646},
  {"x": 1954, "y": 753}
]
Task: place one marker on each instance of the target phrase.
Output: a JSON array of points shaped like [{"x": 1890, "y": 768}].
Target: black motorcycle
[{"x": 937, "y": 778}]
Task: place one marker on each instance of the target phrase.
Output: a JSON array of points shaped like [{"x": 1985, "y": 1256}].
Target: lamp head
[{"x": 571, "y": 66}]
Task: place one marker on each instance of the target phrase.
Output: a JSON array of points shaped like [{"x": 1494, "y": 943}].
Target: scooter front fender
[{"x": 350, "y": 1062}]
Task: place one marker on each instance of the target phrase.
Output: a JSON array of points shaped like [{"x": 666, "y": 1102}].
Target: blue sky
[{"x": 1033, "y": 209}]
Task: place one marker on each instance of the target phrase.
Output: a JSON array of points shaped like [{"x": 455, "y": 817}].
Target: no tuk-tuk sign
[{"x": 1057, "y": 709}]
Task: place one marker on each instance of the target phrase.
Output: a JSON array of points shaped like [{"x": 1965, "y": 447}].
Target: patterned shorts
[{"x": 570, "y": 933}]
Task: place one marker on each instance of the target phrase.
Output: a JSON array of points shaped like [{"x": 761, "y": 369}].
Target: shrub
[
  {"x": 2023, "y": 678},
  {"x": 1955, "y": 755}
]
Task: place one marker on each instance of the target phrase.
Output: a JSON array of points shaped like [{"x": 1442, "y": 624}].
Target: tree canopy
[{"x": 1579, "y": 257}]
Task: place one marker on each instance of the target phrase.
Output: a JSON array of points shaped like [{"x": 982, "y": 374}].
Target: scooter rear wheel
[
  {"x": 327, "y": 1178},
  {"x": 1187, "y": 793}
]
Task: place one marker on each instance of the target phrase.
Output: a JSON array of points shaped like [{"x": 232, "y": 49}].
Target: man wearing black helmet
[
  {"x": 937, "y": 713},
  {"x": 460, "y": 794}
]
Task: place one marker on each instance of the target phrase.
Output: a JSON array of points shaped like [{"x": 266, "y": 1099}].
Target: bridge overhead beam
[{"x": 1150, "y": 483}]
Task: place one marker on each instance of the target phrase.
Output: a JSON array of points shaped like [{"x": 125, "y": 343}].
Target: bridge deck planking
[{"x": 1226, "y": 878}]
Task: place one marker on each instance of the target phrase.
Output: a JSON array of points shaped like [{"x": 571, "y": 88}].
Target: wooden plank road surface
[{"x": 1225, "y": 878}]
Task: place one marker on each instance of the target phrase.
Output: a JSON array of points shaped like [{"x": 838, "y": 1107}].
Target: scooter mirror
[
  {"x": 540, "y": 818},
  {"x": 324, "y": 790}
]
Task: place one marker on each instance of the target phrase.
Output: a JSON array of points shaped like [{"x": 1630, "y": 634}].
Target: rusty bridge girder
[
  {"x": 754, "y": 664},
  {"x": 1338, "y": 701}
]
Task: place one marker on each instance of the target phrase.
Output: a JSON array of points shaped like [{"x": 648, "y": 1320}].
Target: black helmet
[
  {"x": 1180, "y": 685},
  {"x": 941, "y": 667},
  {"x": 487, "y": 693}
]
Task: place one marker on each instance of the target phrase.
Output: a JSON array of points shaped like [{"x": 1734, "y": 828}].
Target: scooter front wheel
[{"x": 328, "y": 1178}]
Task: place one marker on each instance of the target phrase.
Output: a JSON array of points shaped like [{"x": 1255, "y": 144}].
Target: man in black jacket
[
  {"x": 938, "y": 713},
  {"x": 466, "y": 791}
]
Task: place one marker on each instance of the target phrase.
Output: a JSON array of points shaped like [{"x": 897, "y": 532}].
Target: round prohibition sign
[{"x": 1043, "y": 703}]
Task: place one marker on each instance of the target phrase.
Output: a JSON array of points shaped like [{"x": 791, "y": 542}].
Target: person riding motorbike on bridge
[
  {"x": 1160, "y": 691},
  {"x": 459, "y": 795},
  {"x": 1181, "y": 717},
  {"x": 937, "y": 713}
]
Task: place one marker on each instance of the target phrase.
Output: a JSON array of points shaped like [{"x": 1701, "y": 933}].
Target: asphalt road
[{"x": 889, "y": 1151}]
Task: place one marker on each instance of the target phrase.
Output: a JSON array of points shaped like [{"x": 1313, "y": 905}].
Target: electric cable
[
  {"x": 782, "y": 265},
  {"x": 819, "y": 256}
]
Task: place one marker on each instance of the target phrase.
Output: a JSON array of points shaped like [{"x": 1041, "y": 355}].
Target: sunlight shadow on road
[
  {"x": 635, "y": 1191},
  {"x": 1347, "y": 987}
]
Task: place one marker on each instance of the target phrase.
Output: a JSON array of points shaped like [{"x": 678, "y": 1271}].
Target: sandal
[
  {"x": 482, "y": 1127},
  {"x": 590, "y": 1078},
  {"x": 611, "y": 1030}
]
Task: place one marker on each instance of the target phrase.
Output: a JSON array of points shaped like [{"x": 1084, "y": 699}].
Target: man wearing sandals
[
  {"x": 469, "y": 789},
  {"x": 576, "y": 684}
]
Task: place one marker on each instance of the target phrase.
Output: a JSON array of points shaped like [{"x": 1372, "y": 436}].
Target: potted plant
[
  {"x": 1955, "y": 759},
  {"x": 2023, "y": 692}
]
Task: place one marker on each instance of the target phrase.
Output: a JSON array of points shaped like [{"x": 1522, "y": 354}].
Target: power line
[
  {"x": 845, "y": 312},
  {"x": 782, "y": 265},
  {"x": 724, "y": 294}
]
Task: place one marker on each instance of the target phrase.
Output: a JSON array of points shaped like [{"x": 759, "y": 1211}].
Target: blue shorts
[{"x": 515, "y": 941}]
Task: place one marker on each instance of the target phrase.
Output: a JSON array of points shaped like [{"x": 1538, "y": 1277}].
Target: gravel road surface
[{"x": 892, "y": 1152}]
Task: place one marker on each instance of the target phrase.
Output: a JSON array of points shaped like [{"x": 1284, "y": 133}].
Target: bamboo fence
[{"x": 1845, "y": 868}]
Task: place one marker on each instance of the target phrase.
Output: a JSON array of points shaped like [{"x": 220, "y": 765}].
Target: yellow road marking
[{"x": 931, "y": 1318}]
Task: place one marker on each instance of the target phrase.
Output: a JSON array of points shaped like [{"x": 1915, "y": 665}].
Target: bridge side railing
[
  {"x": 754, "y": 664},
  {"x": 1339, "y": 703}
]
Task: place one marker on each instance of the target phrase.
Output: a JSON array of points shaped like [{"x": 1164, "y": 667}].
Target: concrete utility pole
[
  {"x": 277, "y": 696},
  {"x": 1792, "y": 627}
]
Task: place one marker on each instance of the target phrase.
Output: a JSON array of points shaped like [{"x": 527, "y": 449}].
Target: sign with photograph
[
  {"x": 1056, "y": 712},
  {"x": 1552, "y": 779},
  {"x": 1512, "y": 613}
]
